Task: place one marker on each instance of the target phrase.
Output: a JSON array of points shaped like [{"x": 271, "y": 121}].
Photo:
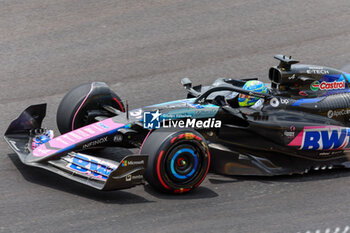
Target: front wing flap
[{"x": 100, "y": 173}]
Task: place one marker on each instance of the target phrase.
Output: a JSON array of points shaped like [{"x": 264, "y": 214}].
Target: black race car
[{"x": 301, "y": 125}]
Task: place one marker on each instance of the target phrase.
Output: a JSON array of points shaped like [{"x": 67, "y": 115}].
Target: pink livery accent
[
  {"x": 144, "y": 140},
  {"x": 82, "y": 103},
  {"x": 76, "y": 136},
  {"x": 298, "y": 140}
]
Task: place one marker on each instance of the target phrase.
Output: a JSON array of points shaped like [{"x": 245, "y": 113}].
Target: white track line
[{"x": 328, "y": 230}]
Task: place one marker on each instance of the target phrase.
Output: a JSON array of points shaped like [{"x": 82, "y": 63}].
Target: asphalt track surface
[{"x": 142, "y": 49}]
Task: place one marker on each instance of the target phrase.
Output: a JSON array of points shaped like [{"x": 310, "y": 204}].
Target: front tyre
[
  {"x": 82, "y": 104},
  {"x": 178, "y": 160}
]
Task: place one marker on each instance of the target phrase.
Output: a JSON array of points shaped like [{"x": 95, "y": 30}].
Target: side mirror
[{"x": 186, "y": 82}]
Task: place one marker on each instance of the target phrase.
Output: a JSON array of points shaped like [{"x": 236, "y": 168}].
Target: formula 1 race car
[{"x": 301, "y": 125}]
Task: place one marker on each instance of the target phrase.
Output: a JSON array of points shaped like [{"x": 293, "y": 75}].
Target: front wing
[{"x": 99, "y": 173}]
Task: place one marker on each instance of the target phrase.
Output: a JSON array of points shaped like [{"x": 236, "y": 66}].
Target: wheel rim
[{"x": 183, "y": 164}]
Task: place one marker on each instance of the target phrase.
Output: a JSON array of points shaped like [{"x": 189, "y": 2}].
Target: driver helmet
[{"x": 253, "y": 85}]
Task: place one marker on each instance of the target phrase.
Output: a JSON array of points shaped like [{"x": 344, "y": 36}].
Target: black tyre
[
  {"x": 82, "y": 104},
  {"x": 178, "y": 160}
]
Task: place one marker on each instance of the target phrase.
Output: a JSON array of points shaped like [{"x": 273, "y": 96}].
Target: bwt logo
[
  {"x": 91, "y": 167},
  {"x": 325, "y": 139},
  {"x": 151, "y": 120}
]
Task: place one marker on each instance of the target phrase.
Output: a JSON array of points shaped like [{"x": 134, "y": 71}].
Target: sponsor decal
[
  {"x": 330, "y": 153},
  {"x": 330, "y": 114},
  {"x": 131, "y": 177},
  {"x": 324, "y": 153},
  {"x": 118, "y": 138},
  {"x": 284, "y": 101},
  {"x": 322, "y": 138},
  {"x": 91, "y": 166},
  {"x": 291, "y": 77},
  {"x": 256, "y": 94},
  {"x": 290, "y": 133},
  {"x": 336, "y": 113},
  {"x": 327, "y": 85},
  {"x": 317, "y": 70},
  {"x": 136, "y": 113},
  {"x": 152, "y": 120},
  {"x": 126, "y": 163},
  {"x": 94, "y": 143}
]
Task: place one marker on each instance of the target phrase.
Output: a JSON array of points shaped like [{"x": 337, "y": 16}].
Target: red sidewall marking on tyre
[
  {"x": 158, "y": 170},
  {"x": 181, "y": 190},
  {"x": 82, "y": 103},
  {"x": 120, "y": 105},
  {"x": 172, "y": 140}
]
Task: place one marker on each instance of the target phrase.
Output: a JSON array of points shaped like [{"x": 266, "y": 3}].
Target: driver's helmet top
[{"x": 253, "y": 85}]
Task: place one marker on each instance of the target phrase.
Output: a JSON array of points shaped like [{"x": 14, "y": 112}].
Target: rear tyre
[
  {"x": 178, "y": 160},
  {"x": 82, "y": 104}
]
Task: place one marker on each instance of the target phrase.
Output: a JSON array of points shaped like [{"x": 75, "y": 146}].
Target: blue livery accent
[
  {"x": 115, "y": 130},
  {"x": 197, "y": 106},
  {"x": 173, "y": 162},
  {"x": 307, "y": 101},
  {"x": 65, "y": 149},
  {"x": 102, "y": 125},
  {"x": 332, "y": 78},
  {"x": 347, "y": 76},
  {"x": 84, "y": 164},
  {"x": 326, "y": 139}
]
